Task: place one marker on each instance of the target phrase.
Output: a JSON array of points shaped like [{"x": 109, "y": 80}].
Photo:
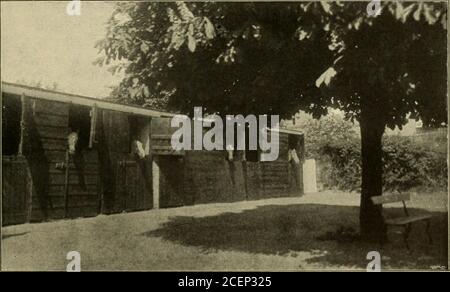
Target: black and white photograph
[{"x": 216, "y": 136}]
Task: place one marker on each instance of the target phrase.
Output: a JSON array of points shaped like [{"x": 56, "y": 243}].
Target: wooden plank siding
[
  {"x": 275, "y": 177},
  {"x": 126, "y": 180},
  {"x": 16, "y": 190},
  {"x": 47, "y": 129},
  {"x": 133, "y": 187},
  {"x": 106, "y": 178}
]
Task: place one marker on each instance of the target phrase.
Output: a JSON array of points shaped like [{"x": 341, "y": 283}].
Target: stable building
[{"x": 46, "y": 177}]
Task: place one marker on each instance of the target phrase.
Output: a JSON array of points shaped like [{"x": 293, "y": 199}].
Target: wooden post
[
  {"x": 92, "y": 134},
  {"x": 22, "y": 125},
  {"x": 30, "y": 195},
  {"x": 66, "y": 185},
  {"x": 155, "y": 178}
]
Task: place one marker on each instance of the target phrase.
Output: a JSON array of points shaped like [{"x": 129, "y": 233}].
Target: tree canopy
[{"x": 267, "y": 57}]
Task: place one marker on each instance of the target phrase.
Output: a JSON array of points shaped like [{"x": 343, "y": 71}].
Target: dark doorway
[
  {"x": 11, "y": 124},
  {"x": 80, "y": 122}
]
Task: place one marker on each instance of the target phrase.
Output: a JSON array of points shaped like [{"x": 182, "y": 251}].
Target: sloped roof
[{"x": 39, "y": 93}]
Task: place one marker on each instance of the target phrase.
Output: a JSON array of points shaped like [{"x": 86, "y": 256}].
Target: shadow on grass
[{"x": 286, "y": 230}]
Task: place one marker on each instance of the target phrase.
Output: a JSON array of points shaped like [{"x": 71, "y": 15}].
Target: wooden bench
[{"x": 403, "y": 221}]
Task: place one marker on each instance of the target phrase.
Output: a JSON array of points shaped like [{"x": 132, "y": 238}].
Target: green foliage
[
  {"x": 341, "y": 165},
  {"x": 233, "y": 57},
  {"x": 227, "y": 57},
  {"x": 328, "y": 130},
  {"x": 407, "y": 164},
  {"x": 377, "y": 69},
  {"x": 334, "y": 142}
]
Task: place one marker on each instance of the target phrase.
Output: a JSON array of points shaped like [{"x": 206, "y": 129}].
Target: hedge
[{"x": 408, "y": 163}]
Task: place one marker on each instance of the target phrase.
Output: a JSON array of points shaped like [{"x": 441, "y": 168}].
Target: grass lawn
[{"x": 272, "y": 234}]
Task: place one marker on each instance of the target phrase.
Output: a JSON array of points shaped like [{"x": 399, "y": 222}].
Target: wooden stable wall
[
  {"x": 126, "y": 180},
  {"x": 198, "y": 177},
  {"x": 107, "y": 178},
  {"x": 16, "y": 190},
  {"x": 201, "y": 177},
  {"x": 45, "y": 145},
  {"x": 103, "y": 179}
]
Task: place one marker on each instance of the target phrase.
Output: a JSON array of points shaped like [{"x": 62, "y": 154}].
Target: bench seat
[{"x": 403, "y": 221}]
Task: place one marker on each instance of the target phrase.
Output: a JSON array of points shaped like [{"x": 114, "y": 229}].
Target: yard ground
[{"x": 272, "y": 234}]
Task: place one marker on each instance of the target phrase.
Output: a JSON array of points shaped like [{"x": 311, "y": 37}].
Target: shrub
[
  {"x": 405, "y": 165},
  {"x": 408, "y": 164}
]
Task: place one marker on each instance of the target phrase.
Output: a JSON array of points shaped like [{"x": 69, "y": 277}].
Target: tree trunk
[{"x": 370, "y": 216}]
